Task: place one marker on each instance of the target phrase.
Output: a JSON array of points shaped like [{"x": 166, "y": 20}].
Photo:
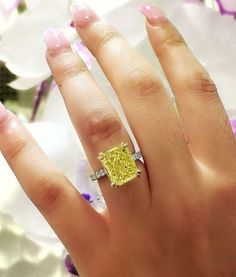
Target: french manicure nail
[
  {"x": 3, "y": 113},
  {"x": 153, "y": 14},
  {"x": 55, "y": 41},
  {"x": 83, "y": 15}
]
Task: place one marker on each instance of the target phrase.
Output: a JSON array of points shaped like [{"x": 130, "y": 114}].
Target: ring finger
[
  {"x": 146, "y": 104},
  {"x": 95, "y": 120}
]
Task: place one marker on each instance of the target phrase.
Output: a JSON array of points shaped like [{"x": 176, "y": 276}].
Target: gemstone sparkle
[{"x": 119, "y": 164}]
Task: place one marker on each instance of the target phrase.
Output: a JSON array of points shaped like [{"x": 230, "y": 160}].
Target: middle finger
[
  {"x": 141, "y": 93},
  {"x": 97, "y": 123}
]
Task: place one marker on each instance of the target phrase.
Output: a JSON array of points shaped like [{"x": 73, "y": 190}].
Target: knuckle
[
  {"x": 101, "y": 124},
  {"x": 16, "y": 148},
  {"x": 68, "y": 67},
  {"x": 109, "y": 36},
  {"x": 142, "y": 84},
  {"x": 170, "y": 42},
  {"x": 50, "y": 191},
  {"x": 16, "y": 141},
  {"x": 202, "y": 84}
]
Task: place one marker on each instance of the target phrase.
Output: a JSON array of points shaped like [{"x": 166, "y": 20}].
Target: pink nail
[
  {"x": 55, "y": 41},
  {"x": 83, "y": 15},
  {"x": 3, "y": 113},
  {"x": 153, "y": 14}
]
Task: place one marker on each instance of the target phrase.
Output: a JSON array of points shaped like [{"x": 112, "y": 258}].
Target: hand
[{"x": 179, "y": 217}]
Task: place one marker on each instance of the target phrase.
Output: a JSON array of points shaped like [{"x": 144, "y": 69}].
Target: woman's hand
[{"x": 179, "y": 217}]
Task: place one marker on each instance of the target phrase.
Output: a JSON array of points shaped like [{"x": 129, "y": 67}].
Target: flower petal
[
  {"x": 22, "y": 46},
  {"x": 23, "y": 84},
  {"x": 227, "y": 6}
]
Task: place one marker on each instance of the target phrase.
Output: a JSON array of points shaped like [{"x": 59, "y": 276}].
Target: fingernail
[
  {"x": 3, "y": 113},
  {"x": 55, "y": 41},
  {"x": 153, "y": 14},
  {"x": 83, "y": 15}
]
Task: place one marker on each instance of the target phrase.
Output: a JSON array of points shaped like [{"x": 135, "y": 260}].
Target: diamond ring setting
[{"x": 118, "y": 165}]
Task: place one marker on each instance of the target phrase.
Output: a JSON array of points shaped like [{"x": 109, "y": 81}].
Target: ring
[{"x": 119, "y": 165}]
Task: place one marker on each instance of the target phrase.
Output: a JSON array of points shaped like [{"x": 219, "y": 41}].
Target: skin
[{"x": 179, "y": 217}]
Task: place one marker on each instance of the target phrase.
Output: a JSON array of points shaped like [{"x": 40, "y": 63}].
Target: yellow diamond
[{"x": 119, "y": 164}]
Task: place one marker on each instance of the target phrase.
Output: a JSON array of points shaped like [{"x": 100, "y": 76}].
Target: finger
[
  {"x": 97, "y": 123},
  {"x": 204, "y": 119},
  {"x": 62, "y": 206},
  {"x": 147, "y": 106}
]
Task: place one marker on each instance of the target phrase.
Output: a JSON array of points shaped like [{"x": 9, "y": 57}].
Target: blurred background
[
  {"x": 22, "y": 101},
  {"x": 28, "y": 246},
  {"x": 16, "y": 101}
]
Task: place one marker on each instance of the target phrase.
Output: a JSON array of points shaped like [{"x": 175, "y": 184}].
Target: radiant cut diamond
[{"x": 119, "y": 164}]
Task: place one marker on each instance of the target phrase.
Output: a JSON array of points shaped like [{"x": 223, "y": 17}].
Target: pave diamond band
[
  {"x": 98, "y": 174},
  {"x": 137, "y": 156},
  {"x": 119, "y": 165}
]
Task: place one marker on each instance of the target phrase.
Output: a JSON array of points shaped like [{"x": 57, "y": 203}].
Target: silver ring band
[{"x": 102, "y": 172}]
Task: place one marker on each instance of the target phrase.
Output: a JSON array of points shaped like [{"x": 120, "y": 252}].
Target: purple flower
[
  {"x": 86, "y": 196},
  {"x": 233, "y": 124},
  {"x": 227, "y": 7},
  {"x": 70, "y": 266},
  {"x": 43, "y": 88},
  {"x": 84, "y": 53}
]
